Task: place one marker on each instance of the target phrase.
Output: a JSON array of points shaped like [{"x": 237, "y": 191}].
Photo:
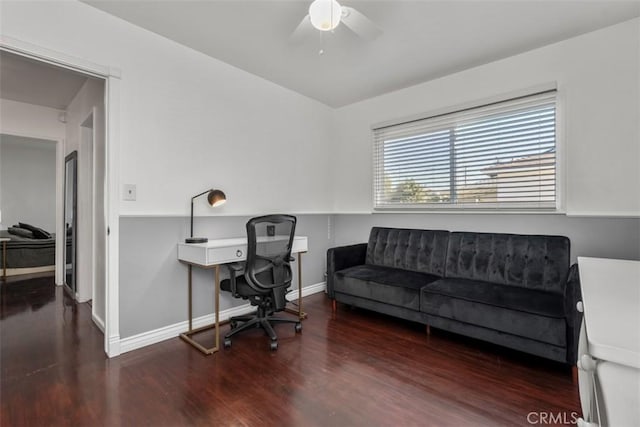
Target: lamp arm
[
  {"x": 194, "y": 197},
  {"x": 198, "y": 195}
]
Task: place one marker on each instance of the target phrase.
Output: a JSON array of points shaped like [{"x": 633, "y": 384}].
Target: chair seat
[{"x": 242, "y": 287}]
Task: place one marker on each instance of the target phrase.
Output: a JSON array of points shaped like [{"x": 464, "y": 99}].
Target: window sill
[{"x": 445, "y": 211}]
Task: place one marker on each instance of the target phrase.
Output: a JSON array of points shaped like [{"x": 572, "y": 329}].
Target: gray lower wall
[
  {"x": 596, "y": 237},
  {"x": 153, "y": 284}
]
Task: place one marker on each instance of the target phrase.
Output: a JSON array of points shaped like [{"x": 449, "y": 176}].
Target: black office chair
[{"x": 267, "y": 276}]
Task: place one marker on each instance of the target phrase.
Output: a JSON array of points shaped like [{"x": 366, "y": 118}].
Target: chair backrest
[{"x": 268, "y": 265}]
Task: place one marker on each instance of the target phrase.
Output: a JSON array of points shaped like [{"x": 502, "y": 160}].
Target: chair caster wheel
[
  {"x": 233, "y": 324},
  {"x": 298, "y": 327},
  {"x": 227, "y": 342},
  {"x": 273, "y": 345}
]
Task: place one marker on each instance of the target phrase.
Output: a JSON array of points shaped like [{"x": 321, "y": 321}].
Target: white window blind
[{"x": 498, "y": 156}]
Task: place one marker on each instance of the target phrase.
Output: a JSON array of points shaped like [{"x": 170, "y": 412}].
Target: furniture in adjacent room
[
  {"x": 4, "y": 241},
  {"x": 266, "y": 279},
  {"x": 609, "y": 346},
  {"x": 212, "y": 255},
  {"x": 24, "y": 254},
  {"x": 512, "y": 290}
]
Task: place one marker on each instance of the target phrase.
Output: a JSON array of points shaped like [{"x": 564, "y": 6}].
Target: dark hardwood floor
[{"x": 356, "y": 368}]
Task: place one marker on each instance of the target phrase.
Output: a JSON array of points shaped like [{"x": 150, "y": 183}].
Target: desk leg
[
  {"x": 190, "y": 299},
  {"x": 301, "y": 314},
  {"x": 187, "y": 335},
  {"x": 217, "y": 305}
]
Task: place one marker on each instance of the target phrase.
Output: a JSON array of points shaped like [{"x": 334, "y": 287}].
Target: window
[{"x": 498, "y": 156}]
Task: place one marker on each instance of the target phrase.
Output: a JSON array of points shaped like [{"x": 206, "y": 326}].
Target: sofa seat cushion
[
  {"x": 384, "y": 284},
  {"x": 512, "y": 297},
  {"x": 524, "y": 312}
]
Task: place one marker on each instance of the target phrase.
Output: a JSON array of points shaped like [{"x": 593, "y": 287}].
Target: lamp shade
[
  {"x": 216, "y": 198},
  {"x": 325, "y": 14}
]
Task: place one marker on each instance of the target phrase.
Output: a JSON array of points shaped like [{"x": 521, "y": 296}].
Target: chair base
[{"x": 259, "y": 319}]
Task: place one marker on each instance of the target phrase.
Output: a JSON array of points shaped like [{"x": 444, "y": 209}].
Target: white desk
[
  {"x": 213, "y": 254},
  {"x": 611, "y": 298},
  {"x": 609, "y": 347}
]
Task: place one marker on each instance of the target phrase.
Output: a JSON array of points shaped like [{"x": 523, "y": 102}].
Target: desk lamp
[{"x": 215, "y": 198}]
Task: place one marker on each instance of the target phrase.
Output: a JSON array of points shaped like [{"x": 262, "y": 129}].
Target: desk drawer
[{"x": 226, "y": 254}]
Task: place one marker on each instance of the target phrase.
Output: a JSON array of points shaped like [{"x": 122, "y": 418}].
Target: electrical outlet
[{"x": 129, "y": 192}]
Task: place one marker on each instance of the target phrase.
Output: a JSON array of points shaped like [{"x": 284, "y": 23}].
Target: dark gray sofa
[{"x": 517, "y": 291}]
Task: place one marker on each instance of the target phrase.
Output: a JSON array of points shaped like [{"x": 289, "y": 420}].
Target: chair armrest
[
  {"x": 343, "y": 257},
  {"x": 572, "y": 295},
  {"x": 234, "y": 269}
]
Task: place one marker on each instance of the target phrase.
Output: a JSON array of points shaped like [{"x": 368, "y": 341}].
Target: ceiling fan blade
[
  {"x": 360, "y": 24},
  {"x": 302, "y": 31}
]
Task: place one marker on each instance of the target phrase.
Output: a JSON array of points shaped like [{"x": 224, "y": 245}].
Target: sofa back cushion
[
  {"x": 416, "y": 250},
  {"x": 534, "y": 262}
]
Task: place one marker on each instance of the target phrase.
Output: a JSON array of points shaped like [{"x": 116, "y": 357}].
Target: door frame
[
  {"x": 88, "y": 290},
  {"x": 111, "y": 76},
  {"x": 94, "y": 229}
]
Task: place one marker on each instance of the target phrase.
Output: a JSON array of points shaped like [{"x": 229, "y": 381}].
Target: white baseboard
[
  {"x": 113, "y": 349},
  {"x": 307, "y": 290},
  {"x": 172, "y": 331}
]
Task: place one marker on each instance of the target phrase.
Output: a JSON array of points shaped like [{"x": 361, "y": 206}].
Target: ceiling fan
[{"x": 326, "y": 15}]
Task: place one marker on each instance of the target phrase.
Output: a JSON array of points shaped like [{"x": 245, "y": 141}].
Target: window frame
[{"x": 487, "y": 207}]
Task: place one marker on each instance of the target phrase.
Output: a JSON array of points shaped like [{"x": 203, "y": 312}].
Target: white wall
[
  {"x": 91, "y": 253},
  {"x": 597, "y": 76},
  {"x": 28, "y": 181},
  {"x": 190, "y": 122}
]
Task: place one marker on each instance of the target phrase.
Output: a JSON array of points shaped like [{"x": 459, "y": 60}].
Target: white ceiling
[
  {"x": 422, "y": 40},
  {"x": 38, "y": 83}
]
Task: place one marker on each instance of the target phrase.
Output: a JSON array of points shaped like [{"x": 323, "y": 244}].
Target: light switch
[{"x": 129, "y": 192}]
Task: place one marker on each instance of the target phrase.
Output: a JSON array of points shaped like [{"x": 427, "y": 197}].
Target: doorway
[
  {"x": 81, "y": 259},
  {"x": 28, "y": 205}
]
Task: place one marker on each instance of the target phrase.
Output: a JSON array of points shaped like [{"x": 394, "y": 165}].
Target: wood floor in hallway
[{"x": 354, "y": 368}]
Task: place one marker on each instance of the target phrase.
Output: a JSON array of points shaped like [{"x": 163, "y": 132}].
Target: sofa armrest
[
  {"x": 343, "y": 257},
  {"x": 572, "y": 295}
]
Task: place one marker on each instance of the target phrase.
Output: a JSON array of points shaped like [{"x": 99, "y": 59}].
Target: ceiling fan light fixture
[{"x": 325, "y": 14}]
